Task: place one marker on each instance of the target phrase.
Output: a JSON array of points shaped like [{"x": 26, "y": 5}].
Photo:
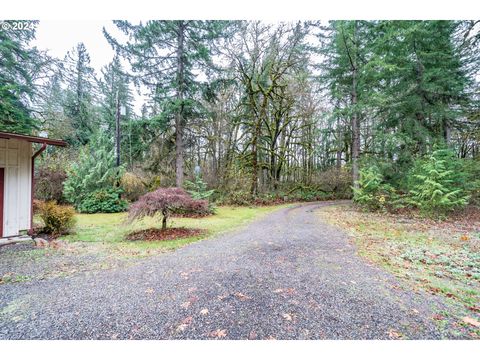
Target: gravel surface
[{"x": 286, "y": 276}]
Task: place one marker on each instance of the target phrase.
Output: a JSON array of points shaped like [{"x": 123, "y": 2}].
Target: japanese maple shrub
[{"x": 166, "y": 201}]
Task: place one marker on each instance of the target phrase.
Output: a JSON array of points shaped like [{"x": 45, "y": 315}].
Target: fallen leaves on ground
[
  {"x": 288, "y": 291},
  {"x": 155, "y": 234},
  {"x": 242, "y": 297},
  {"x": 287, "y": 317},
  {"x": 471, "y": 321},
  {"x": 204, "y": 312},
  {"x": 186, "y": 304},
  {"x": 392, "y": 334},
  {"x": 184, "y": 324},
  {"x": 219, "y": 333},
  {"x": 464, "y": 237}
]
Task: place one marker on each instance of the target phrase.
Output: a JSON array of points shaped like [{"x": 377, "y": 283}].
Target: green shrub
[
  {"x": 373, "y": 193},
  {"x": 57, "y": 219},
  {"x": 93, "y": 181},
  {"x": 103, "y": 201},
  {"x": 307, "y": 193},
  {"x": 438, "y": 183},
  {"x": 472, "y": 172},
  {"x": 239, "y": 198}
]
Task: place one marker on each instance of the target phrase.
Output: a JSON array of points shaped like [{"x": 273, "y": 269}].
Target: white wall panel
[{"x": 16, "y": 156}]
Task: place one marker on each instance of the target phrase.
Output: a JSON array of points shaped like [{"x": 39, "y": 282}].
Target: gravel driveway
[{"x": 286, "y": 276}]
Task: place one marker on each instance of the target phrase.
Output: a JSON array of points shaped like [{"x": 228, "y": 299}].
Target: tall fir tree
[
  {"x": 16, "y": 85},
  {"x": 80, "y": 95},
  {"x": 167, "y": 56}
]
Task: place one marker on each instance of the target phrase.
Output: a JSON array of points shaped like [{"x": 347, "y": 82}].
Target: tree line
[{"x": 260, "y": 109}]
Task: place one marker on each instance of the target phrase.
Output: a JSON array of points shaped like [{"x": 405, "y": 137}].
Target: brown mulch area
[
  {"x": 467, "y": 219},
  {"x": 190, "y": 216},
  {"x": 154, "y": 234}
]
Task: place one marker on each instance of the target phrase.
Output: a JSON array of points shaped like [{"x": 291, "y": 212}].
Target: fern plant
[
  {"x": 373, "y": 193},
  {"x": 438, "y": 184}
]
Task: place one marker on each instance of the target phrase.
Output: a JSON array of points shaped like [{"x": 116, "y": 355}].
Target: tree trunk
[
  {"x": 355, "y": 118},
  {"x": 164, "y": 221},
  {"x": 254, "y": 183},
  {"x": 179, "y": 115},
  {"x": 447, "y": 133}
]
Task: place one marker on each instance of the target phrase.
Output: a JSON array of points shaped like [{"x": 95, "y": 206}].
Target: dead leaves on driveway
[
  {"x": 186, "y": 305},
  {"x": 242, "y": 297},
  {"x": 219, "y": 333},
  {"x": 285, "y": 291},
  {"x": 471, "y": 321},
  {"x": 184, "y": 324},
  {"x": 204, "y": 311}
]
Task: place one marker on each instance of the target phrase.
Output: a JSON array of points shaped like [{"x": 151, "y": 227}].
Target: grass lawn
[
  {"x": 442, "y": 258},
  {"x": 111, "y": 229}
]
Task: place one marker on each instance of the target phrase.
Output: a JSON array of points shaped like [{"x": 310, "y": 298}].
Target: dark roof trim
[{"x": 34, "y": 139}]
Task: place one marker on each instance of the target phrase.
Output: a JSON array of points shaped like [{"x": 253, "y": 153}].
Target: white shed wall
[{"x": 15, "y": 157}]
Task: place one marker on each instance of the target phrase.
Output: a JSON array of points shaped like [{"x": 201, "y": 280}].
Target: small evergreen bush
[
  {"x": 103, "y": 201},
  {"x": 95, "y": 178},
  {"x": 198, "y": 188},
  {"x": 57, "y": 219},
  {"x": 198, "y": 191}
]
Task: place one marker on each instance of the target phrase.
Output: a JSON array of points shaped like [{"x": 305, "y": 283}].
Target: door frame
[{"x": 2, "y": 198}]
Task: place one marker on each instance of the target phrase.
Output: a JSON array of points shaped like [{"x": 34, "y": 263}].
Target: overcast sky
[{"x": 58, "y": 37}]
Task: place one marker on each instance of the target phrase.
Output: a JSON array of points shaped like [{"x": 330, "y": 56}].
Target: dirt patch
[{"x": 163, "y": 235}]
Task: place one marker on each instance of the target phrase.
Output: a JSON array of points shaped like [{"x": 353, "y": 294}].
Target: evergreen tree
[
  {"x": 438, "y": 183},
  {"x": 420, "y": 84},
  {"x": 80, "y": 95},
  {"x": 116, "y": 94},
  {"x": 53, "y": 118},
  {"x": 345, "y": 73},
  {"x": 94, "y": 176},
  {"x": 166, "y": 56},
  {"x": 16, "y": 86}
]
